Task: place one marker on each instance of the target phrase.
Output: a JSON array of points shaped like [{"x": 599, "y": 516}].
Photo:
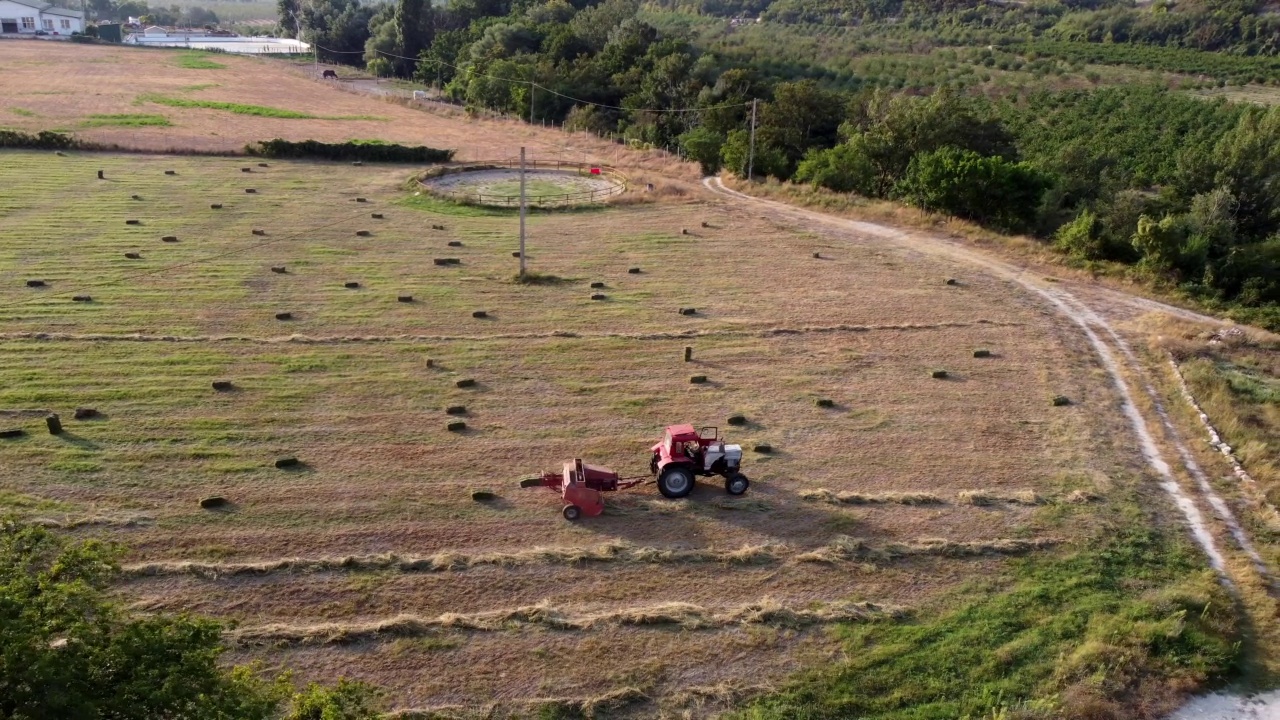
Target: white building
[{"x": 27, "y": 17}]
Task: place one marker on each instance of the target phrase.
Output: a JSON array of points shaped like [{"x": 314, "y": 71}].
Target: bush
[
  {"x": 364, "y": 150},
  {"x": 43, "y": 140},
  {"x": 843, "y": 168},
  {"x": 988, "y": 190},
  {"x": 703, "y": 145}
]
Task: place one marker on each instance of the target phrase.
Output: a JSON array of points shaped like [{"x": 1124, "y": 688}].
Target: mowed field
[
  {"x": 151, "y": 99},
  {"x": 371, "y": 560}
]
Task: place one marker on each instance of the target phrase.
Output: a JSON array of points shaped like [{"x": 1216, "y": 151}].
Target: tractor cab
[{"x": 685, "y": 452}]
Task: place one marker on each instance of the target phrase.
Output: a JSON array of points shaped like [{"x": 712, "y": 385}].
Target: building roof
[
  {"x": 63, "y": 12},
  {"x": 34, "y": 4}
]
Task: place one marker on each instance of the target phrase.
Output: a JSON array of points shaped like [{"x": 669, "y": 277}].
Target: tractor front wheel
[
  {"x": 571, "y": 512},
  {"x": 675, "y": 482},
  {"x": 736, "y": 484}
]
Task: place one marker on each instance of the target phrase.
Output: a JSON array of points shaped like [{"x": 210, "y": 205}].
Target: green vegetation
[
  {"x": 237, "y": 108},
  {"x": 1081, "y": 631},
  {"x": 43, "y": 140},
  {"x": 70, "y": 652},
  {"x": 198, "y": 61},
  {"x": 365, "y": 150},
  {"x": 126, "y": 120},
  {"x": 22, "y": 112}
]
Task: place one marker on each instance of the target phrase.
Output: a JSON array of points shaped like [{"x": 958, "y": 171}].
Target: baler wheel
[
  {"x": 736, "y": 484},
  {"x": 571, "y": 512},
  {"x": 675, "y": 482}
]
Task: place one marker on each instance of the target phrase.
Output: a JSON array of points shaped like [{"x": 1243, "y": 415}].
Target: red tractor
[{"x": 685, "y": 453}]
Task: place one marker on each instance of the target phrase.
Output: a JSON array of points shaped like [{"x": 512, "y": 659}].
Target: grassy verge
[
  {"x": 127, "y": 120},
  {"x": 1117, "y": 629}
]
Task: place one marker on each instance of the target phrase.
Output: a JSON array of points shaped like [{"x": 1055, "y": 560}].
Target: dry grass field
[{"x": 372, "y": 560}]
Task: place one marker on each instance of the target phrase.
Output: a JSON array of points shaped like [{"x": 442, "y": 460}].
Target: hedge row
[
  {"x": 354, "y": 150},
  {"x": 43, "y": 140}
]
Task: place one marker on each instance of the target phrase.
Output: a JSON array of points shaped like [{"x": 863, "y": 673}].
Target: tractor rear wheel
[
  {"x": 736, "y": 484},
  {"x": 675, "y": 482},
  {"x": 571, "y": 512}
]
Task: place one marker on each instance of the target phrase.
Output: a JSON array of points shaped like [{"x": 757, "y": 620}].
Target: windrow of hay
[
  {"x": 991, "y": 497},
  {"x": 71, "y": 523},
  {"x": 845, "y": 549},
  {"x": 964, "y": 497},
  {"x": 853, "y": 498},
  {"x": 586, "y": 707},
  {"x": 684, "y": 615}
]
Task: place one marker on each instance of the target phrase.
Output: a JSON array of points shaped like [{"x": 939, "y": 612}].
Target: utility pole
[
  {"x": 531, "y": 87},
  {"x": 522, "y": 210},
  {"x": 751, "y": 156}
]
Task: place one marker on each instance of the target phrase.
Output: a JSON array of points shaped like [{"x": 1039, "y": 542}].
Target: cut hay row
[
  {"x": 686, "y": 616},
  {"x": 71, "y": 523},
  {"x": 986, "y": 498},
  {"x": 981, "y": 498},
  {"x": 853, "y": 498},
  {"x": 584, "y": 707},
  {"x": 405, "y": 338},
  {"x": 611, "y": 552}
]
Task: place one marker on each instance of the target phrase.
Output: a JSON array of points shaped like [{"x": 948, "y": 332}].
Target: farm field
[{"x": 371, "y": 560}]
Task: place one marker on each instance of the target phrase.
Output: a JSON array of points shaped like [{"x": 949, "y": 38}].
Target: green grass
[
  {"x": 1097, "y": 621},
  {"x": 22, "y": 112},
  {"x": 237, "y": 108},
  {"x": 533, "y": 188},
  {"x": 127, "y": 120},
  {"x": 432, "y": 204},
  {"x": 198, "y": 61},
  {"x": 197, "y": 87}
]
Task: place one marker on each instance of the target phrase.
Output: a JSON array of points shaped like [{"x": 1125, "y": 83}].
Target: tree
[
  {"x": 288, "y": 12},
  {"x": 703, "y": 145},
  {"x": 1080, "y": 237},
  {"x": 987, "y": 189},
  {"x": 844, "y": 168}
]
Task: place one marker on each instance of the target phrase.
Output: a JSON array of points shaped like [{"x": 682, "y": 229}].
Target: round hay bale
[
  {"x": 737, "y": 420},
  {"x": 376, "y": 216},
  {"x": 456, "y": 410},
  {"x": 85, "y": 413},
  {"x": 440, "y": 261},
  {"x": 36, "y": 283},
  {"x": 598, "y": 296},
  {"x": 223, "y": 385},
  {"x": 82, "y": 298},
  {"x": 480, "y": 314},
  {"x": 938, "y": 374},
  {"x": 132, "y": 222},
  {"x": 817, "y": 256},
  {"x": 465, "y": 383},
  {"x": 258, "y": 231},
  {"x": 169, "y": 238},
  {"x": 431, "y": 363},
  {"x": 404, "y": 298},
  {"x": 633, "y": 271},
  {"x": 982, "y": 353},
  {"x": 351, "y": 285},
  {"x": 133, "y": 256},
  {"x": 54, "y": 423},
  {"x": 454, "y": 243},
  {"x": 483, "y": 495},
  {"x": 688, "y": 311},
  {"x": 287, "y": 462},
  {"x": 284, "y": 316},
  {"x": 684, "y": 231},
  {"x": 1061, "y": 400},
  {"x": 215, "y": 206},
  {"x": 824, "y": 403},
  {"x": 250, "y": 191},
  {"x": 706, "y": 224},
  {"x": 361, "y": 200},
  {"x": 213, "y": 502},
  {"x": 697, "y": 379},
  {"x": 12, "y": 433},
  {"x": 170, "y": 172},
  {"x": 456, "y": 426},
  {"x": 363, "y": 233},
  {"x": 763, "y": 449},
  {"x": 596, "y": 285},
  {"x": 279, "y": 269}
]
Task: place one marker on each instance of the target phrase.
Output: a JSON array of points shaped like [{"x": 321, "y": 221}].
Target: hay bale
[
  {"x": 456, "y": 410},
  {"x": 356, "y": 163},
  {"x": 85, "y": 413},
  {"x": 982, "y": 353},
  {"x": 361, "y": 200},
  {"x": 684, "y": 231},
  {"x": 479, "y": 314},
  {"x": 35, "y": 283},
  {"x": 223, "y": 385},
  {"x": 825, "y": 403},
  {"x": 952, "y": 281},
  {"x": 938, "y": 374},
  {"x": 763, "y": 449},
  {"x": 133, "y": 256},
  {"x": 132, "y": 222},
  {"x": 59, "y": 153},
  {"x": 250, "y": 191},
  {"x": 633, "y": 271},
  {"x": 263, "y": 165},
  {"x": 515, "y": 254},
  {"x": 351, "y": 285},
  {"x": 688, "y": 353},
  {"x": 483, "y": 495},
  {"x": 456, "y": 426},
  {"x": 169, "y": 238},
  {"x": 688, "y": 311},
  {"x": 215, "y": 206},
  {"x": 817, "y": 256},
  {"x": 706, "y": 224},
  {"x": 135, "y": 197},
  {"x": 1061, "y": 400},
  {"x": 737, "y": 420},
  {"x": 278, "y": 269},
  {"x": 258, "y": 231},
  {"x": 287, "y": 462},
  {"x": 246, "y": 169},
  {"x": 284, "y": 316},
  {"x": 437, "y": 227},
  {"x": 440, "y": 261},
  {"x": 376, "y": 216},
  {"x": 465, "y": 383},
  {"x": 431, "y": 363},
  {"x": 363, "y": 233},
  {"x": 404, "y": 298},
  {"x": 598, "y": 296},
  {"x": 170, "y": 172},
  {"x": 697, "y": 379},
  {"x": 454, "y": 243},
  {"x": 54, "y": 423},
  {"x": 213, "y": 501},
  {"x": 596, "y": 285},
  {"x": 82, "y": 298},
  {"x": 101, "y": 176},
  {"x": 12, "y": 433}
]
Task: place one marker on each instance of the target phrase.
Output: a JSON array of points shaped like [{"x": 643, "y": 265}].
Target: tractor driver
[{"x": 693, "y": 451}]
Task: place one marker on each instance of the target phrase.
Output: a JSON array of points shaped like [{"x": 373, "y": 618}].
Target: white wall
[
  {"x": 72, "y": 24},
  {"x": 11, "y": 11}
]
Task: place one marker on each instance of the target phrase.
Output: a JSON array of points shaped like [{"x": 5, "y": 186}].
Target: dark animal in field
[{"x": 329, "y": 74}]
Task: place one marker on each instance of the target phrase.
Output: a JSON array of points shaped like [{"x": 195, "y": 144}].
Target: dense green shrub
[
  {"x": 43, "y": 140},
  {"x": 986, "y": 189},
  {"x": 369, "y": 151}
]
